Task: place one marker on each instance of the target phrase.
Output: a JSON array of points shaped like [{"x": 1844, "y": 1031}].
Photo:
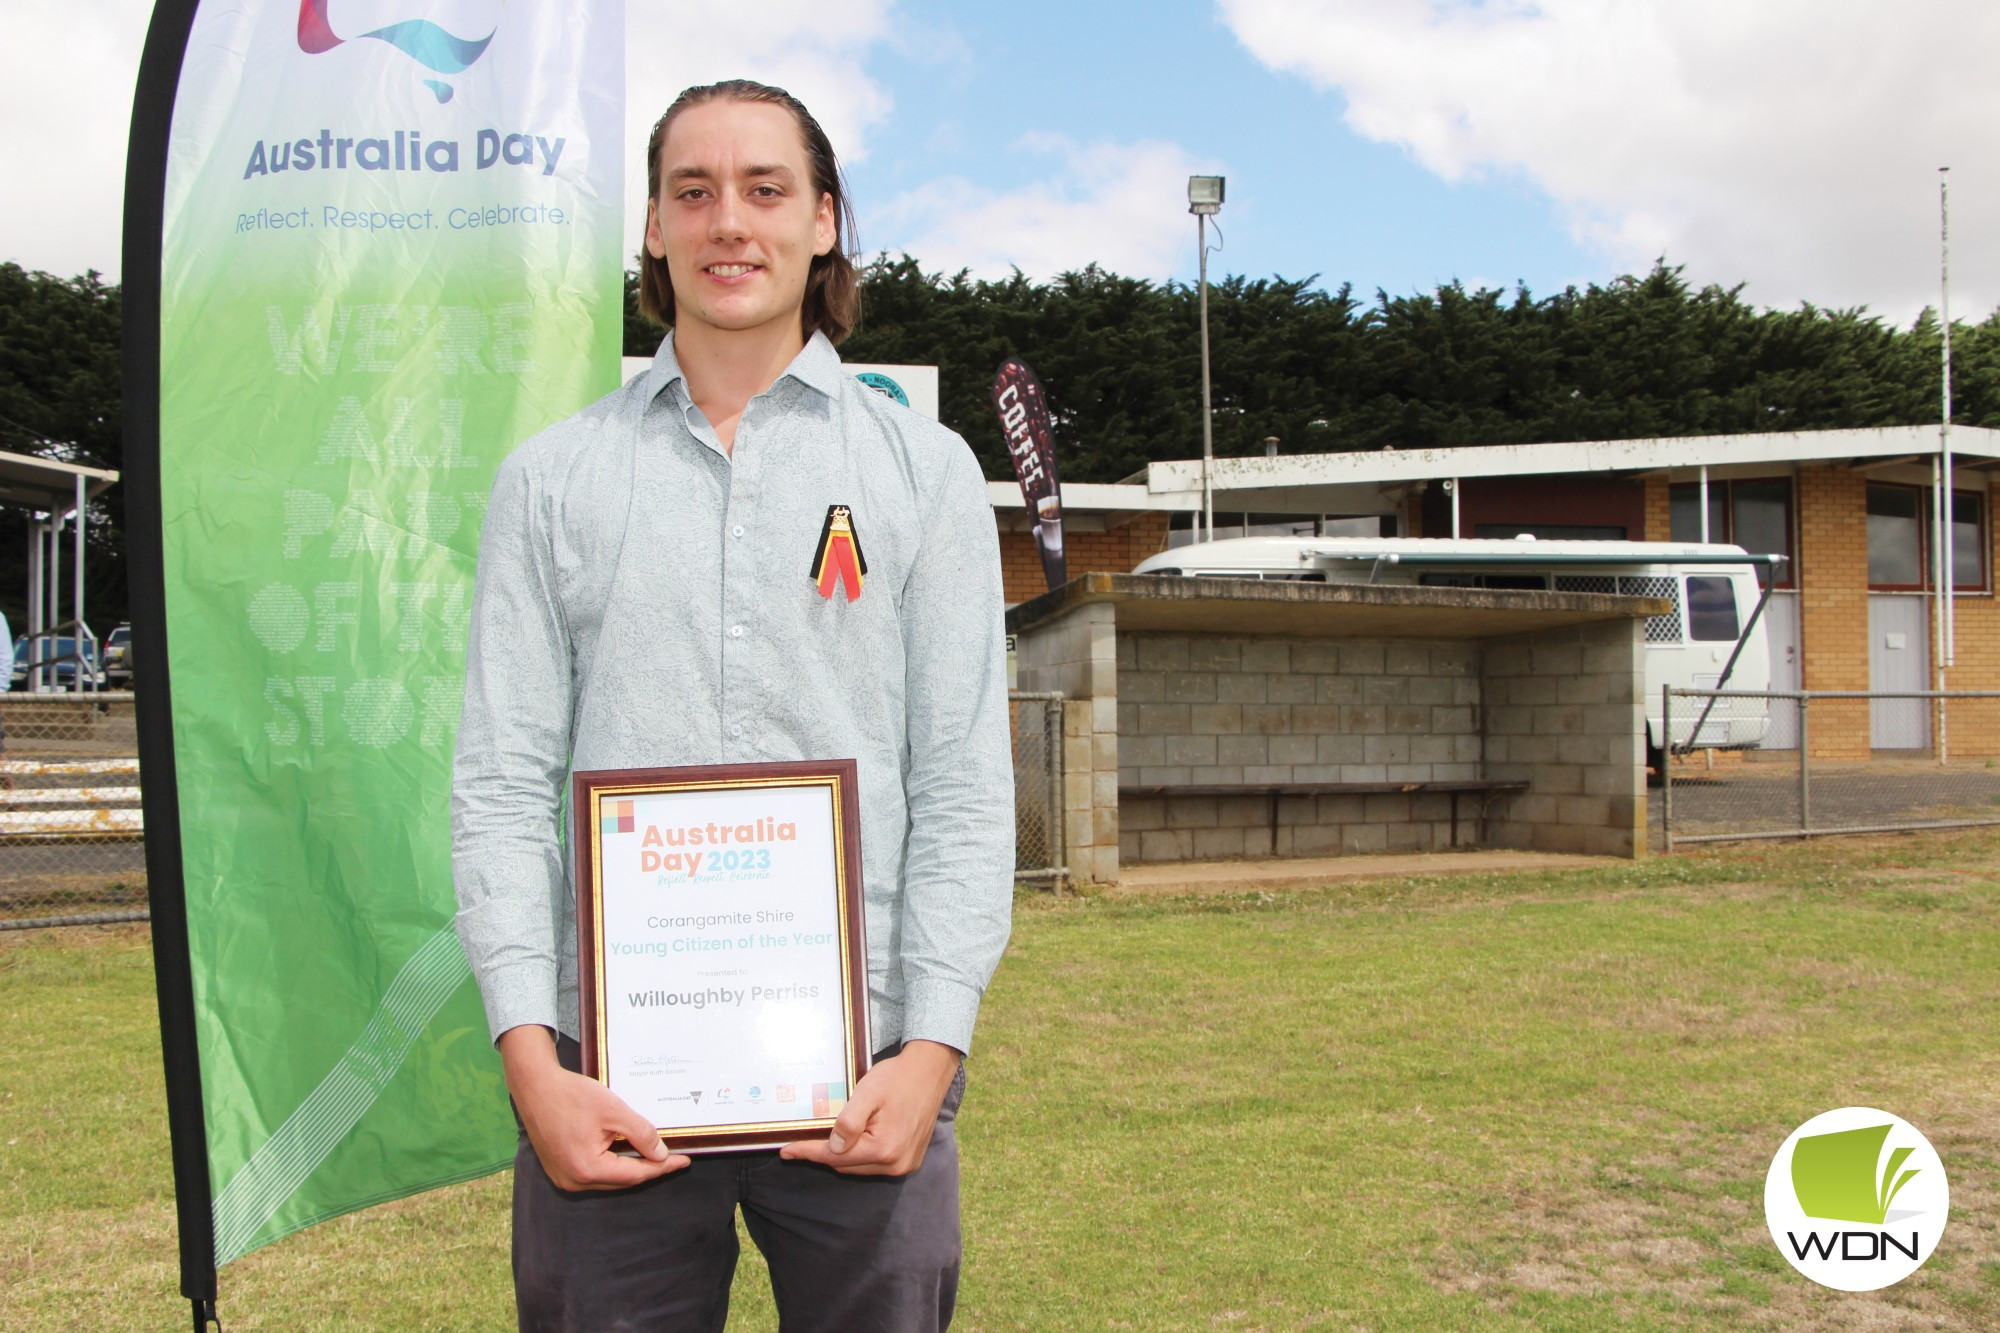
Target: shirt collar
[{"x": 817, "y": 366}]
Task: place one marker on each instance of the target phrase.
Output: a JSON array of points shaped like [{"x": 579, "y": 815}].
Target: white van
[{"x": 1715, "y": 626}]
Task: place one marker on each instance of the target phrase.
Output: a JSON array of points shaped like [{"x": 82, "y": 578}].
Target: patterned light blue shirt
[{"x": 643, "y": 600}]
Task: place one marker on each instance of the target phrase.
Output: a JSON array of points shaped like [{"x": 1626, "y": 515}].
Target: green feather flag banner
[{"x": 384, "y": 258}]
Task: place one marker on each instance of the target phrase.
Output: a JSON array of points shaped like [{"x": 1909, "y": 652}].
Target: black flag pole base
[{"x": 205, "y": 1317}]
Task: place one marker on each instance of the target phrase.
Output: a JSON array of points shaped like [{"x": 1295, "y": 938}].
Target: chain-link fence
[
  {"x": 1746, "y": 764},
  {"x": 72, "y": 840},
  {"x": 72, "y": 844},
  {"x": 1038, "y": 805}
]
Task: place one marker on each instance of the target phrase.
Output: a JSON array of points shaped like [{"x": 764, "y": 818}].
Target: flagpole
[{"x": 173, "y": 971}]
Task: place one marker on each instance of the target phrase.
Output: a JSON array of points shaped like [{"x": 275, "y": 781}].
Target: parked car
[
  {"x": 118, "y": 658},
  {"x": 59, "y": 655}
]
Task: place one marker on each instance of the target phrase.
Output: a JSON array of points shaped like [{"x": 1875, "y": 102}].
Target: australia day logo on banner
[
  {"x": 376, "y": 42},
  {"x": 423, "y": 41},
  {"x": 1856, "y": 1199}
]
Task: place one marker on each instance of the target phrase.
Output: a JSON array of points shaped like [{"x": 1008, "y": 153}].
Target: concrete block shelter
[{"x": 1212, "y": 718}]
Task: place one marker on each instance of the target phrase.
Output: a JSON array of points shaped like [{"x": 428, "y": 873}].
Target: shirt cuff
[
  {"x": 939, "y": 1009},
  {"x": 519, "y": 993}
]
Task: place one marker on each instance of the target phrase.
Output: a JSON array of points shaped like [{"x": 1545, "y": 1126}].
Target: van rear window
[{"x": 1711, "y": 609}]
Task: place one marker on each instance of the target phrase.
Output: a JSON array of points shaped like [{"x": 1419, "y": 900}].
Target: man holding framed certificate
[{"x": 743, "y": 617}]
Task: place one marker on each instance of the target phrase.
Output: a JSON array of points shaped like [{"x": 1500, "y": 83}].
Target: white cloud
[
  {"x": 66, "y": 77},
  {"x": 67, "y": 72},
  {"x": 1123, "y": 206},
  {"x": 1792, "y": 144}
]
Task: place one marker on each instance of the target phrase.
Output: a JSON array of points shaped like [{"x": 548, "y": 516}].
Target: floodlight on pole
[{"x": 1204, "y": 201}]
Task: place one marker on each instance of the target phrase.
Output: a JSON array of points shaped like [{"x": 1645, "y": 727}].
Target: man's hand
[
  {"x": 571, "y": 1120},
  {"x": 885, "y": 1129}
]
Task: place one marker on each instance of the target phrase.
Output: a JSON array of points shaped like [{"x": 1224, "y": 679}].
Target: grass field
[{"x": 1530, "y": 1101}]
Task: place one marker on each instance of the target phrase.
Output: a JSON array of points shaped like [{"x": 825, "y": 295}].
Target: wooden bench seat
[{"x": 1483, "y": 788}]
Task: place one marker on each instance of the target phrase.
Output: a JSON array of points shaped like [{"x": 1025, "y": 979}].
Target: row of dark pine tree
[
  {"x": 1324, "y": 371},
  {"x": 1320, "y": 370}
]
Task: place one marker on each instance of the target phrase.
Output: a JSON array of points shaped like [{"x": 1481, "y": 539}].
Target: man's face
[{"x": 737, "y": 218}]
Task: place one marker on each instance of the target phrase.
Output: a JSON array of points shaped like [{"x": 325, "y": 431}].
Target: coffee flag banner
[
  {"x": 371, "y": 247},
  {"x": 1031, "y": 442}
]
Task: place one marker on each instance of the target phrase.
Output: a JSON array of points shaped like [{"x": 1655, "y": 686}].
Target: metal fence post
[
  {"x": 1667, "y": 764},
  {"x": 1805, "y": 765},
  {"x": 1052, "y": 723}
]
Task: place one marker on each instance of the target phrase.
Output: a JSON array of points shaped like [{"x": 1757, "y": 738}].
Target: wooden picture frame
[{"x": 717, "y": 1034}]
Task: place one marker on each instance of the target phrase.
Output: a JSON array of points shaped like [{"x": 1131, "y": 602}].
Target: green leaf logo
[{"x": 1834, "y": 1175}]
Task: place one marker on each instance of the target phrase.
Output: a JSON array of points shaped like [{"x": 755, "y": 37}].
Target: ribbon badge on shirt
[{"x": 839, "y": 558}]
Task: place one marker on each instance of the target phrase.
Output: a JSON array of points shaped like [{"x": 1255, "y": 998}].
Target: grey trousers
[{"x": 846, "y": 1253}]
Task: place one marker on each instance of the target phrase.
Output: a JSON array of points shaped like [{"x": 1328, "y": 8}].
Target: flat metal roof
[
  {"x": 28, "y": 482},
  {"x": 1249, "y": 606},
  {"x": 1372, "y": 481},
  {"x": 1978, "y": 444},
  {"x": 1099, "y": 497}
]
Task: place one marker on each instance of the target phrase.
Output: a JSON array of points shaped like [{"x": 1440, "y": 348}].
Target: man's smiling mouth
[{"x": 730, "y": 270}]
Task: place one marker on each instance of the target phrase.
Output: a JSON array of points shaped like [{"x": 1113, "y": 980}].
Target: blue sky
[
  {"x": 1306, "y": 194},
  {"x": 1790, "y": 145}
]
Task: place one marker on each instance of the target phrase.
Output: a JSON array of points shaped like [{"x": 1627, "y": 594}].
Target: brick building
[{"x": 1856, "y": 607}]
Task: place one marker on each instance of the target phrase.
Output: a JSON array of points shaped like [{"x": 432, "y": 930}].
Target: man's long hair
[{"x": 833, "y": 287}]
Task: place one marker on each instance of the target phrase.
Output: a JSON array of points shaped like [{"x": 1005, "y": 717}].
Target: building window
[
  {"x": 1899, "y": 538},
  {"x": 1968, "y": 539},
  {"x": 1895, "y": 537},
  {"x": 1684, "y": 510},
  {"x": 1281, "y": 525},
  {"x": 1185, "y": 526},
  {"x": 1755, "y": 514},
  {"x": 1552, "y": 532}
]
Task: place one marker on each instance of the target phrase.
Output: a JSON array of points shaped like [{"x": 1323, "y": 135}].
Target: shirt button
[
  {"x": 735, "y": 631},
  {"x": 735, "y": 729},
  {"x": 736, "y": 531}
]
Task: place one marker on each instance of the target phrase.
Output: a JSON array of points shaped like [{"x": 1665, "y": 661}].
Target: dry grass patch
[{"x": 1676, "y": 1238}]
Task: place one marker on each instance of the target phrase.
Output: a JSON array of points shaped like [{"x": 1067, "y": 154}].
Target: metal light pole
[
  {"x": 1944, "y": 420},
  {"x": 1204, "y": 201},
  {"x": 1947, "y": 578}
]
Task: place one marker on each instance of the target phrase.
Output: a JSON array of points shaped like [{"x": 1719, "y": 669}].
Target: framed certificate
[{"x": 721, "y": 953}]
